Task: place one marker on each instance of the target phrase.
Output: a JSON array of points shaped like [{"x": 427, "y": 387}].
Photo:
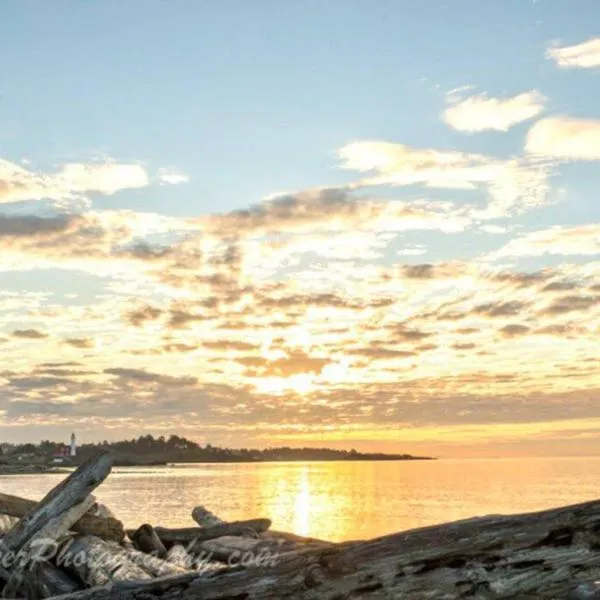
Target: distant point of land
[{"x": 148, "y": 451}]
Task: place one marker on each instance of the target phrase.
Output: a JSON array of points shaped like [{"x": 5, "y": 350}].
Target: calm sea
[{"x": 338, "y": 501}]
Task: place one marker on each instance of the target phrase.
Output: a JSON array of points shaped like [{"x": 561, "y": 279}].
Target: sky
[{"x": 345, "y": 223}]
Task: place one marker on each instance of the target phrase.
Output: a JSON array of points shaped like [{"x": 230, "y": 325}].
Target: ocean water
[{"x": 338, "y": 500}]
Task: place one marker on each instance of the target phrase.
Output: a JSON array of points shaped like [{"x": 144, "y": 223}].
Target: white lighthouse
[{"x": 73, "y": 446}]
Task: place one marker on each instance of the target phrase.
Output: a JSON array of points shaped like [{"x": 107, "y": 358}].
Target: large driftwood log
[
  {"x": 542, "y": 556},
  {"x": 186, "y": 535},
  {"x": 107, "y": 528},
  {"x": 41, "y": 547},
  {"x": 71, "y": 491},
  {"x": 97, "y": 562}
]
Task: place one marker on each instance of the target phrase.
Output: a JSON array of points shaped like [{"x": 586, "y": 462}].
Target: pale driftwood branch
[
  {"x": 97, "y": 562},
  {"x": 7, "y": 522},
  {"x": 178, "y": 555},
  {"x": 153, "y": 565},
  {"x": 205, "y": 518},
  {"x": 71, "y": 491},
  {"x": 43, "y": 544},
  {"x": 107, "y": 528}
]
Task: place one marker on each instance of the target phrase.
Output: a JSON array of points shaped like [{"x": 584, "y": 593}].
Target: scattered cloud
[
  {"x": 70, "y": 182},
  {"x": 481, "y": 112},
  {"x": 509, "y": 185},
  {"x": 29, "y": 334},
  {"x": 172, "y": 177},
  {"x": 584, "y": 56},
  {"x": 565, "y": 138},
  {"x": 583, "y": 240}
]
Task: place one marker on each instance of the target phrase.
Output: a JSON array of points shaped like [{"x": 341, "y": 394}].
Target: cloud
[
  {"x": 172, "y": 177},
  {"x": 568, "y": 304},
  {"x": 565, "y": 138},
  {"x": 583, "y": 240},
  {"x": 29, "y": 334},
  {"x": 585, "y": 55},
  {"x": 500, "y": 308},
  {"x": 70, "y": 182},
  {"x": 143, "y": 376},
  {"x": 334, "y": 209},
  {"x": 81, "y": 343},
  {"x": 514, "y": 330},
  {"x": 513, "y": 184},
  {"x": 480, "y": 113}
]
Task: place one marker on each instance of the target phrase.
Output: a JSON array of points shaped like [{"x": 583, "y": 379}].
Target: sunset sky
[{"x": 344, "y": 223}]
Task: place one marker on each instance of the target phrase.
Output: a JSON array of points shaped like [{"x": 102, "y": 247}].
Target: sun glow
[{"x": 302, "y": 383}]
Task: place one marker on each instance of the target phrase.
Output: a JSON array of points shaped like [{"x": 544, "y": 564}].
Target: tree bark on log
[
  {"x": 543, "y": 556},
  {"x": 107, "y": 528}
]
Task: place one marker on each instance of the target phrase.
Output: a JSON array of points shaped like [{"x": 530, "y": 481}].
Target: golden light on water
[{"x": 302, "y": 504}]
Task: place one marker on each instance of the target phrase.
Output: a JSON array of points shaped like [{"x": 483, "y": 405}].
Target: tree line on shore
[{"x": 147, "y": 449}]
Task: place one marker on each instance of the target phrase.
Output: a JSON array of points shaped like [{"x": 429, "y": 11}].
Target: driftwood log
[
  {"x": 206, "y": 518},
  {"x": 42, "y": 545},
  {"x": 73, "y": 490},
  {"x": 187, "y": 535},
  {"x": 97, "y": 562},
  {"x": 105, "y": 527},
  {"x": 146, "y": 540},
  {"x": 547, "y": 555}
]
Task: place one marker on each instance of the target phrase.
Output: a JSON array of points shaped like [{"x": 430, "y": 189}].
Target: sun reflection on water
[{"x": 302, "y": 504}]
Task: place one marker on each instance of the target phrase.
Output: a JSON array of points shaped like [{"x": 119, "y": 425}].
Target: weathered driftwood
[
  {"x": 97, "y": 562},
  {"x": 7, "y": 522},
  {"x": 178, "y": 555},
  {"x": 542, "y": 556},
  {"x": 232, "y": 549},
  {"x": 186, "y": 535},
  {"x": 41, "y": 547},
  {"x": 107, "y": 527},
  {"x": 153, "y": 565},
  {"x": 44, "y": 580},
  {"x": 102, "y": 511},
  {"x": 206, "y": 518},
  {"x": 146, "y": 540},
  {"x": 202, "y": 563},
  {"x": 71, "y": 491}
]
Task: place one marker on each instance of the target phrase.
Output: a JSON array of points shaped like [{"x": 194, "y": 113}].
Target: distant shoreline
[
  {"x": 272, "y": 460},
  {"x": 54, "y": 470}
]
